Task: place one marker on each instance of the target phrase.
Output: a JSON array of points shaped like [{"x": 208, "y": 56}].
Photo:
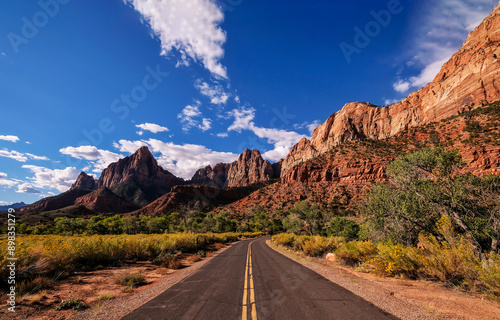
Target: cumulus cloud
[
  {"x": 60, "y": 179},
  {"x": 26, "y": 188},
  {"x": 6, "y": 182},
  {"x": 181, "y": 160},
  {"x": 442, "y": 28},
  {"x": 189, "y": 117},
  {"x": 152, "y": 127},
  {"x": 282, "y": 140},
  {"x": 192, "y": 27},
  {"x": 216, "y": 92},
  {"x": 222, "y": 135},
  {"x": 99, "y": 159},
  {"x": 9, "y": 138},
  {"x": 18, "y": 156}
]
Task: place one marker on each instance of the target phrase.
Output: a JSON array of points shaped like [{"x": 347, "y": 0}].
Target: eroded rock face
[
  {"x": 140, "y": 168},
  {"x": 468, "y": 80},
  {"x": 84, "y": 181},
  {"x": 212, "y": 177},
  {"x": 250, "y": 168}
]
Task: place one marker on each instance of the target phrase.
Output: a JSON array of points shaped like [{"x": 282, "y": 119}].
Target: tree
[{"x": 428, "y": 184}]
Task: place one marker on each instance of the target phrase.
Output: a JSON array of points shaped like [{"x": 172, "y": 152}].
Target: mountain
[
  {"x": 212, "y": 177},
  {"x": 16, "y": 205},
  {"x": 345, "y": 156},
  {"x": 62, "y": 200},
  {"x": 84, "y": 181},
  {"x": 470, "y": 79},
  {"x": 249, "y": 169},
  {"x": 104, "y": 200}
]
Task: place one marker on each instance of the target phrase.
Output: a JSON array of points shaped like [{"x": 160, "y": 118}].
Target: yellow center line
[{"x": 249, "y": 288}]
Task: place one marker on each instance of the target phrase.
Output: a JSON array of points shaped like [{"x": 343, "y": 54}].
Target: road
[{"x": 250, "y": 281}]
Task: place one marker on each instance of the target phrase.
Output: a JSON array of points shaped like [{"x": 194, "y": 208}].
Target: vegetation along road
[{"x": 251, "y": 281}]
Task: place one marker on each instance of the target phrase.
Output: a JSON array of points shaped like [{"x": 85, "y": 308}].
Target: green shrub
[
  {"x": 73, "y": 304},
  {"x": 132, "y": 280},
  {"x": 489, "y": 271},
  {"x": 342, "y": 227}
]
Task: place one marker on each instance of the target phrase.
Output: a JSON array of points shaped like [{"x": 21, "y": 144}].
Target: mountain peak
[{"x": 84, "y": 181}]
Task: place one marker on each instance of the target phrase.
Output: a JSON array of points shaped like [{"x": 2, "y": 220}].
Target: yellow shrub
[
  {"x": 392, "y": 260},
  {"x": 355, "y": 252}
]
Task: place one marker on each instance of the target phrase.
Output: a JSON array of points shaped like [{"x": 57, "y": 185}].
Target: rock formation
[
  {"x": 468, "y": 80},
  {"x": 212, "y": 177},
  {"x": 84, "y": 181},
  {"x": 104, "y": 200},
  {"x": 250, "y": 168},
  {"x": 140, "y": 168}
]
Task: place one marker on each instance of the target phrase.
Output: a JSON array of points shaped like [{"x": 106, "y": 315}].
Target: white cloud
[
  {"x": 3, "y": 54},
  {"x": 282, "y": 140},
  {"x": 188, "y": 115},
  {"x": 192, "y": 27},
  {"x": 439, "y": 32},
  {"x": 18, "y": 156},
  {"x": 9, "y": 138},
  {"x": 100, "y": 159},
  {"x": 60, "y": 179},
  {"x": 206, "y": 124},
  {"x": 26, "y": 188},
  {"x": 181, "y": 160},
  {"x": 216, "y": 93},
  {"x": 35, "y": 157},
  {"x": 388, "y": 102},
  {"x": 222, "y": 135},
  {"x": 152, "y": 127},
  {"x": 6, "y": 182},
  {"x": 401, "y": 86}
]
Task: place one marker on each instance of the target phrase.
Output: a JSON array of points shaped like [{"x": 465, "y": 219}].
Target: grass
[
  {"x": 73, "y": 304},
  {"x": 104, "y": 297},
  {"x": 44, "y": 259},
  {"x": 131, "y": 280}
]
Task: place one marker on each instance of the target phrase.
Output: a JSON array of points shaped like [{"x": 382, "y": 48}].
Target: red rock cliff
[{"x": 468, "y": 80}]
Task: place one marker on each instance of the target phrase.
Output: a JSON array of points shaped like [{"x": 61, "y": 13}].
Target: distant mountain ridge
[
  {"x": 16, "y": 205},
  {"x": 347, "y": 153}
]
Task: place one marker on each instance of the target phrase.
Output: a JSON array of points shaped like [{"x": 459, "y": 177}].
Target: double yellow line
[{"x": 248, "y": 288}]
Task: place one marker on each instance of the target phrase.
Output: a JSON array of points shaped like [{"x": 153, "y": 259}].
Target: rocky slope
[
  {"x": 250, "y": 168},
  {"x": 84, "y": 181},
  {"x": 212, "y": 177},
  {"x": 62, "y": 200},
  {"x": 194, "y": 197},
  {"x": 468, "y": 80},
  {"x": 104, "y": 200},
  {"x": 140, "y": 168}
]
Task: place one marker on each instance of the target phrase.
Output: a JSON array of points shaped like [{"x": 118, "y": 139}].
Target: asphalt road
[{"x": 250, "y": 281}]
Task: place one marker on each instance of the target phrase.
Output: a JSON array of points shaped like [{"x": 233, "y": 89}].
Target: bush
[
  {"x": 317, "y": 246},
  {"x": 167, "y": 260},
  {"x": 131, "y": 280},
  {"x": 104, "y": 297},
  {"x": 342, "y": 227},
  {"x": 489, "y": 272},
  {"x": 73, "y": 304},
  {"x": 356, "y": 252},
  {"x": 392, "y": 260}
]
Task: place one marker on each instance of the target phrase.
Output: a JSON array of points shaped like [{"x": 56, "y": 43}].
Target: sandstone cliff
[
  {"x": 212, "y": 177},
  {"x": 104, "y": 200},
  {"x": 140, "y": 168},
  {"x": 84, "y": 181},
  {"x": 467, "y": 81},
  {"x": 250, "y": 168}
]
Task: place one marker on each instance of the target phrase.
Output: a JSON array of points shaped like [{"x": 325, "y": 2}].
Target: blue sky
[{"x": 84, "y": 83}]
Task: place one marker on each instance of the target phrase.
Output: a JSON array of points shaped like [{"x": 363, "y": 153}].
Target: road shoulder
[{"x": 405, "y": 299}]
